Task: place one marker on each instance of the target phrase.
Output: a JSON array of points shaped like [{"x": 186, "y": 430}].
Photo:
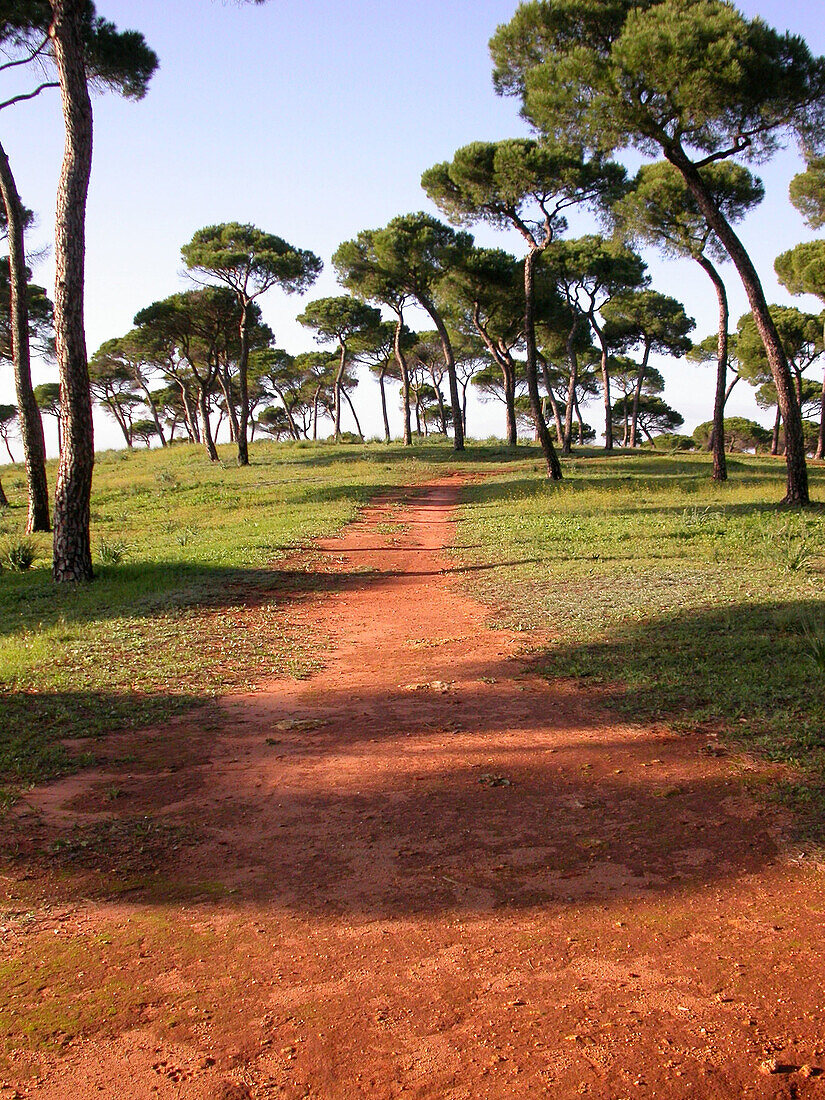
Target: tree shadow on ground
[{"x": 414, "y": 812}]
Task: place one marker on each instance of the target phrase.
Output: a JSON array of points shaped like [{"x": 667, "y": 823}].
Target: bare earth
[{"x": 421, "y": 872}]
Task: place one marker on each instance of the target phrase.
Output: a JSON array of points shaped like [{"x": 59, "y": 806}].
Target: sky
[{"x": 313, "y": 121}]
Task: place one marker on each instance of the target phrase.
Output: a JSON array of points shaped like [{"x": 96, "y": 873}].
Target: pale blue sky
[{"x": 315, "y": 120}]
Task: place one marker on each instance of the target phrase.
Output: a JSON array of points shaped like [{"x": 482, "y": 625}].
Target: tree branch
[
  {"x": 29, "y": 95},
  {"x": 25, "y": 60}
]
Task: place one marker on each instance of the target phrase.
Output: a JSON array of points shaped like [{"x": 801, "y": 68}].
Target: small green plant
[
  {"x": 792, "y": 547},
  {"x": 19, "y": 556},
  {"x": 185, "y": 535},
  {"x": 111, "y": 553},
  {"x": 813, "y": 635}
]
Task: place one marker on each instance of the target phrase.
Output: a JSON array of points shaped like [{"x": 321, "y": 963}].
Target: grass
[
  {"x": 684, "y": 602},
  {"x": 189, "y": 601}
]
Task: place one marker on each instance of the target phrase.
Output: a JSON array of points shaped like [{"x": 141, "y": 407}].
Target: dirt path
[{"x": 423, "y": 872}]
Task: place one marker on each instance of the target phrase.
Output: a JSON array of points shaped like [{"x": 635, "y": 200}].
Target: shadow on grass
[
  {"x": 748, "y": 671},
  {"x": 34, "y": 741}
]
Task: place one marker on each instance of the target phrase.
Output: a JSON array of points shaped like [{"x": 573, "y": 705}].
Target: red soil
[{"x": 426, "y": 872}]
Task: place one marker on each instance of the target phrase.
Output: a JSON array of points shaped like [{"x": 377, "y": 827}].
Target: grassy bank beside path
[{"x": 697, "y": 605}]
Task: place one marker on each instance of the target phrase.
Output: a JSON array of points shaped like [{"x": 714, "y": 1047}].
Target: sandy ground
[{"x": 421, "y": 872}]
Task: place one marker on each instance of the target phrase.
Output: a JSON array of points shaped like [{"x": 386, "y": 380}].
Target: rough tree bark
[
  {"x": 72, "y": 545},
  {"x": 31, "y": 426}
]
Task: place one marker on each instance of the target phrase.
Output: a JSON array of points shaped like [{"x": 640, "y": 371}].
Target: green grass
[
  {"x": 685, "y": 602},
  {"x": 189, "y": 601}
]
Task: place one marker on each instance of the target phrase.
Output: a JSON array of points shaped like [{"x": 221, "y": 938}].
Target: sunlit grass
[{"x": 684, "y": 601}]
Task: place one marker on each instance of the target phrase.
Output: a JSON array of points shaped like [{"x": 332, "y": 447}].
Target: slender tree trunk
[
  {"x": 121, "y": 420},
  {"x": 551, "y": 397},
  {"x": 442, "y": 412},
  {"x": 381, "y": 374},
  {"x": 720, "y": 469},
  {"x": 797, "y": 472},
  {"x": 505, "y": 363},
  {"x": 509, "y": 375},
  {"x": 243, "y": 384},
  {"x": 189, "y": 417},
  {"x": 206, "y": 427},
  {"x": 8, "y": 448},
  {"x": 567, "y": 438},
  {"x": 731, "y": 384},
  {"x": 225, "y": 384},
  {"x": 449, "y": 360},
  {"x": 579, "y": 420},
  {"x": 4, "y": 500},
  {"x": 72, "y": 544},
  {"x": 139, "y": 380},
  {"x": 293, "y": 427},
  {"x": 608, "y": 410},
  {"x": 775, "y": 436},
  {"x": 626, "y": 422},
  {"x": 315, "y": 414},
  {"x": 549, "y": 451},
  {"x": 31, "y": 425},
  {"x": 339, "y": 379},
  {"x": 637, "y": 395},
  {"x": 348, "y": 400},
  {"x": 820, "y": 439},
  {"x": 401, "y": 360}
]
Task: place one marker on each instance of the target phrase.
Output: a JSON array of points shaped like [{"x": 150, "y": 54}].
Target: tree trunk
[
  {"x": 4, "y": 500},
  {"x": 8, "y": 448},
  {"x": 405, "y": 378},
  {"x": 567, "y": 438},
  {"x": 442, "y": 412},
  {"x": 797, "y": 472},
  {"x": 315, "y": 414},
  {"x": 348, "y": 400},
  {"x": 608, "y": 411},
  {"x": 138, "y": 377},
  {"x": 550, "y": 457},
  {"x": 551, "y": 397},
  {"x": 381, "y": 374},
  {"x": 637, "y": 393},
  {"x": 339, "y": 378},
  {"x": 775, "y": 436},
  {"x": 509, "y": 375},
  {"x": 206, "y": 427},
  {"x": 189, "y": 417},
  {"x": 579, "y": 420},
  {"x": 720, "y": 469},
  {"x": 31, "y": 425},
  {"x": 449, "y": 360},
  {"x": 243, "y": 386},
  {"x": 72, "y": 545},
  {"x": 820, "y": 441},
  {"x": 225, "y": 384},
  {"x": 293, "y": 427}
]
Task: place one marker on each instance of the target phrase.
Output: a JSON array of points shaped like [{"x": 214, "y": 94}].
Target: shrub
[{"x": 19, "y": 556}]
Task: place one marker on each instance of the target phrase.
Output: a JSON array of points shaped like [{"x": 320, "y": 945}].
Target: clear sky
[{"x": 314, "y": 120}]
